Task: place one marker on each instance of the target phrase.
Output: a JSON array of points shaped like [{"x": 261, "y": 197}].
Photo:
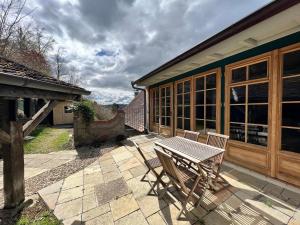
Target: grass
[
  {"x": 45, "y": 218},
  {"x": 48, "y": 139}
]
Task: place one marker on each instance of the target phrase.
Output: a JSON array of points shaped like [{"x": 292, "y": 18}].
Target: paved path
[{"x": 109, "y": 191}]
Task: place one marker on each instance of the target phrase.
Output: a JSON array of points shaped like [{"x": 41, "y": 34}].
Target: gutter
[
  {"x": 14, "y": 80},
  {"x": 145, "y": 108}
]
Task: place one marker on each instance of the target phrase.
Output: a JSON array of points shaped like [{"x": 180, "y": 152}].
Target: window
[
  {"x": 205, "y": 102},
  {"x": 290, "y": 102},
  {"x": 68, "y": 109},
  {"x": 165, "y": 98},
  {"x": 155, "y": 105},
  {"x": 183, "y": 105},
  {"x": 248, "y": 105}
]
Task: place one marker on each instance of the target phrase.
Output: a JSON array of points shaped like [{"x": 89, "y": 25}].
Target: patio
[{"x": 109, "y": 191}]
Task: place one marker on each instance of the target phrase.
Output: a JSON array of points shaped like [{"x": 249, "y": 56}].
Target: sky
[{"x": 114, "y": 42}]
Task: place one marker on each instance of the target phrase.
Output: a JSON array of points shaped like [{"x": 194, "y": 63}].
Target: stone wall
[{"x": 98, "y": 131}]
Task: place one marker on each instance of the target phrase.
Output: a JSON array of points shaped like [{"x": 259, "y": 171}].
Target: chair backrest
[
  {"x": 217, "y": 140},
  {"x": 191, "y": 135},
  {"x": 140, "y": 151},
  {"x": 170, "y": 168}
]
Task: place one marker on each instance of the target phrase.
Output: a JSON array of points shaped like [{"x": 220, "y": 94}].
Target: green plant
[{"x": 86, "y": 110}]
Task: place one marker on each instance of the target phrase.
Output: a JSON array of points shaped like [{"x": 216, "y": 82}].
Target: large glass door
[{"x": 166, "y": 110}]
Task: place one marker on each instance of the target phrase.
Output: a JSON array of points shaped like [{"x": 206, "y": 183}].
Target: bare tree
[
  {"x": 73, "y": 76},
  {"x": 59, "y": 62}
]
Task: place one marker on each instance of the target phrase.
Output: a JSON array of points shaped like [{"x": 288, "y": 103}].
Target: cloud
[{"x": 114, "y": 42}]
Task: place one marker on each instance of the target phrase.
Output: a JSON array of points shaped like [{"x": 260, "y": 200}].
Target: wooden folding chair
[
  {"x": 151, "y": 164},
  {"x": 189, "y": 183},
  {"x": 191, "y": 135},
  {"x": 214, "y": 164}
]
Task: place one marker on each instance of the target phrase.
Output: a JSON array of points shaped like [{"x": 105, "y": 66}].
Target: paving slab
[
  {"x": 105, "y": 219},
  {"x": 133, "y": 218},
  {"x": 123, "y": 206}
]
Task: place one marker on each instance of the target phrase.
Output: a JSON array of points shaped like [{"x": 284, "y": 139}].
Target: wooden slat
[
  {"x": 38, "y": 117},
  {"x": 4, "y": 137}
]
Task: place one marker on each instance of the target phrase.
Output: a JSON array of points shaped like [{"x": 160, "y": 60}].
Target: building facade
[{"x": 243, "y": 82}]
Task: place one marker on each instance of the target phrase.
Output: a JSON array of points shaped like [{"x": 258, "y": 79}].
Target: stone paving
[
  {"x": 110, "y": 191},
  {"x": 39, "y": 163}
]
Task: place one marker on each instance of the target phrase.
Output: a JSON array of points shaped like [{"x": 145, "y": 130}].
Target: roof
[
  {"x": 260, "y": 15},
  {"x": 134, "y": 113},
  {"x": 12, "y": 69}
]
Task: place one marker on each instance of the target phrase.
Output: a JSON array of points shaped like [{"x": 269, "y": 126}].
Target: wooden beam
[
  {"x": 23, "y": 92},
  {"x": 38, "y": 117},
  {"x": 4, "y": 137}
]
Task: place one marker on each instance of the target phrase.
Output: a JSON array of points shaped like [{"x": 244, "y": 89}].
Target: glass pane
[
  {"x": 200, "y": 112},
  {"x": 258, "y": 70},
  {"x": 179, "y": 111},
  {"x": 238, "y": 74},
  {"x": 162, "y": 92},
  {"x": 168, "y": 99},
  {"x": 258, "y": 93},
  {"x": 187, "y": 86},
  {"x": 162, "y": 121},
  {"x": 179, "y": 99},
  {"x": 199, "y": 125},
  {"x": 290, "y": 140},
  {"x": 237, "y": 95},
  {"x": 179, "y": 88},
  {"x": 187, "y": 124},
  {"x": 163, "y": 102},
  {"x": 168, "y": 121},
  {"x": 210, "y": 126},
  {"x": 187, "y": 112},
  {"x": 163, "y": 111},
  {"x": 237, "y": 132},
  {"x": 200, "y": 98},
  {"x": 179, "y": 123},
  {"x": 258, "y": 114},
  {"x": 237, "y": 113},
  {"x": 257, "y": 135},
  {"x": 211, "y": 81},
  {"x": 187, "y": 99},
  {"x": 157, "y": 119},
  {"x": 167, "y": 91},
  {"x": 291, "y": 63},
  {"x": 291, "y": 90},
  {"x": 211, "y": 112},
  {"x": 200, "y": 83},
  {"x": 211, "y": 97},
  {"x": 168, "y": 111},
  {"x": 291, "y": 114}
]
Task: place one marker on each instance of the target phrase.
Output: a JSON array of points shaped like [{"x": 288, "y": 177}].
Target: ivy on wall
[{"x": 86, "y": 110}]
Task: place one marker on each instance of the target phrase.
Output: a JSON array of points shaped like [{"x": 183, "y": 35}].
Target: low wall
[{"x": 98, "y": 131}]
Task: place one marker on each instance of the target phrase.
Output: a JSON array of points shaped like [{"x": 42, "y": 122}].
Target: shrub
[{"x": 86, "y": 110}]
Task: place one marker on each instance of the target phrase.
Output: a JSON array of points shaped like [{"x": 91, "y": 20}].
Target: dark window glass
[
  {"x": 168, "y": 111},
  {"x": 179, "y": 88},
  {"x": 211, "y": 97},
  {"x": 162, "y": 92},
  {"x": 163, "y": 111},
  {"x": 291, "y": 89},
  {"x": 237, "y": 132},
  {"x": 199, "y": 125},
  {"x": 187, "y": 112},
  {"x": 237, "y": 95},
  {"x": 187, "y": 124},
  {"x": 237, "y": 113},
  {"x": 290, "y": 140},
  {"x": 167, "y": 91},
  {"x": 163, "y": 121},
  {"x": 291, "y": 114},
  {"x": 200, "y": 83},
  {"x": 187, "y": 86},
  {"x": 200, "y": 98},
  {"x": 211, "y": 81},
  {"x": 211, "y": 112},
  {"x": 168, "y": 100},
  {"x": 187, "y": 99},
  {"x": 258, "y": 93},
  {"x": 211, "y": 126},
  {"x": 238, "y": 74},
  {"x": 168, "y": 121},
  {"x": 257, "y": 135},
  {"x": 199, "y": 112},
  {"x": 157, "y": 119},
  {"x": 179, "y": 111},
  {"x": 179, "y": 123},
  {"x": 258, "y": 114},
  {"x": 179, "y": 99},
  {"x": 258, "y": 70},
  {"x": 291, "y": 63}
]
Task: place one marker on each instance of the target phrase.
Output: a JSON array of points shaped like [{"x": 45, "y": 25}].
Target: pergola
[{"x": 18, "y": 81}]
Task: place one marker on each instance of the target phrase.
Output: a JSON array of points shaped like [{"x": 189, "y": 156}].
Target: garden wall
[{"x": 98, "y": 131}]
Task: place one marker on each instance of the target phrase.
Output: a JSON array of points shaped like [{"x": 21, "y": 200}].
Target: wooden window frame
[
  {"x": 171, "y": 106},
  {"x": 190, "y": 79},
  {"x": 216, "y": 71},
  {"x": 154, "y": 92},
  {"x": 247, "y": 62}
]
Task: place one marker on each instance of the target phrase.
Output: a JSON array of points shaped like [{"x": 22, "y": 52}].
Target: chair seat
[{"x": 154, "y": 163}]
